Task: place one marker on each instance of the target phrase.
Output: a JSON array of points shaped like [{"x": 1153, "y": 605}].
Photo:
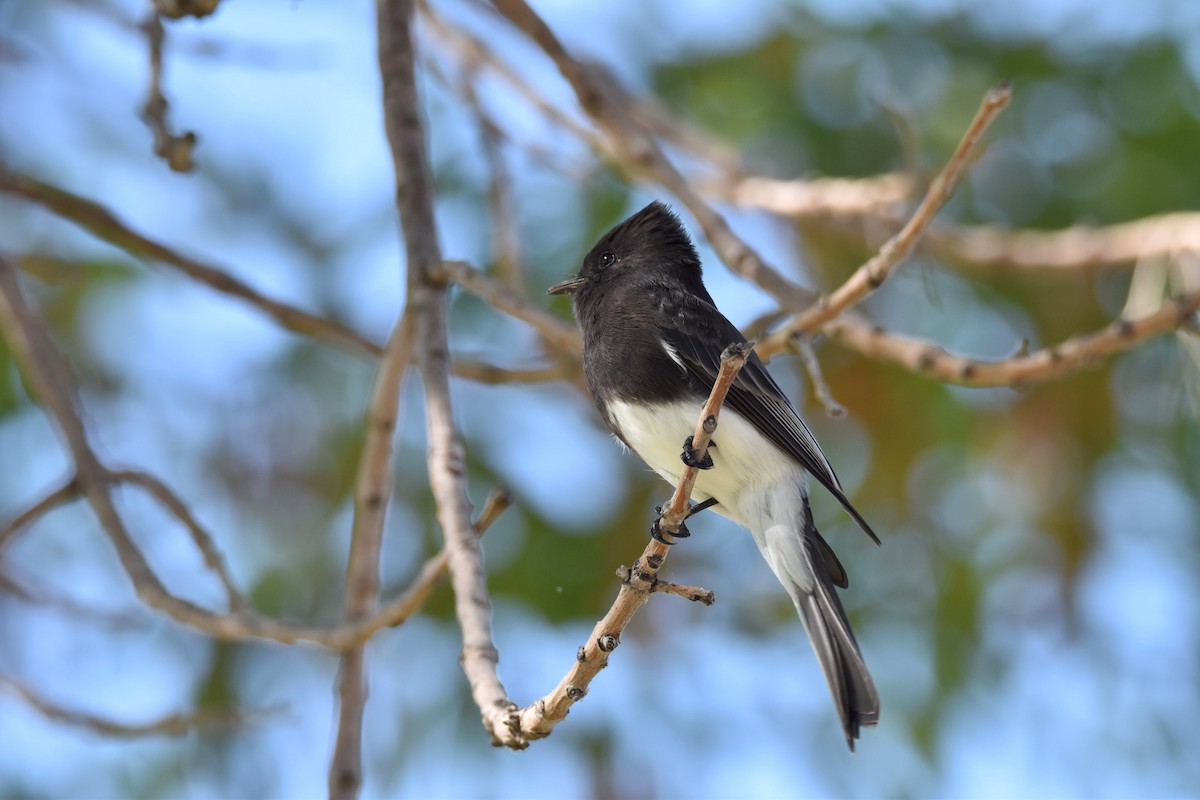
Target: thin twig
[
  {"x": 25, "y": 590},
  {"x": 697, "y": 594},
  {"x": 810, "y": 198},
  {"x": 63, "y": 494},
  {"x": 103, "y": 224},
  {"x": 201, "y": 537},
  {"x": 638, "y": 152},
  {"x": 483, "y": 372},
  {"x": 820, "y": 387},
  {"x": 537, "y": 720},
  {"x": 872, "y": 274},
  {"x": 173, "y": 148},
  {"x": 506, "y": 245},
  {"x": 469, "y": 48},
  {"x": 1074, "y": 354},
  {"x": 178, "y": 9},
  {"x": 372, "y": 488},
  {"x": 434, "y": 569},
  {"x": 53, "y": 383},
  {"x": 171, "y": 725},
  {"x": 553, "y": 330}
]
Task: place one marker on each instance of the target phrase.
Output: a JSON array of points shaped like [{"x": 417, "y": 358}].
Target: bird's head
[{"x": 653, "y": 239}]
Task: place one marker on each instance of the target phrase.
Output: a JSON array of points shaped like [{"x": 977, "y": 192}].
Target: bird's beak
[{"x": 569, "y": 286}]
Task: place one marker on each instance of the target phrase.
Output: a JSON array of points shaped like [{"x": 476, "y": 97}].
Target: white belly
[{"x": 744, "y": 461}]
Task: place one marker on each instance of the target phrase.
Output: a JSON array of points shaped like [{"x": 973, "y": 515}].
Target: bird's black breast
[{"x": 624, "y": 356}]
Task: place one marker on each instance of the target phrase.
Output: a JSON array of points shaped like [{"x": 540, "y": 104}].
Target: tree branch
[
  {"x": 102, "y": 223},
  {"x": 872, "y": 274},
  {"x": 203, "y": 541},
  {"x": 63, "y": 494},
  {"x": 50, "y": 377},
  {"x": 536, "y": 721},
  {"x": 1079, "y": 247},
  {"x": 638, "y": 152},
  {"x": 172, "y": 725},
  {"x": 427, "y": 305},
  {"x": 1075, "y": 248},
  {"x": 553, "y": 330},
  {"x": 483, "y": 372},
  {"x": 817, "y": 199},
  {"x": 1074, "y": 354},
  {"x": 175, "y": 149},
  {"x": 372, "y": 489},
  {"x": 434, "y": 569}
]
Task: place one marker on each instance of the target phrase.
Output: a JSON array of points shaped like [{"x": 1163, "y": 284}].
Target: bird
[{"x": 652, "y": 344}]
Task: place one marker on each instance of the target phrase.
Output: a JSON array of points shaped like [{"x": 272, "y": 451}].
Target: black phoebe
[{"x": 652, "y": 343}]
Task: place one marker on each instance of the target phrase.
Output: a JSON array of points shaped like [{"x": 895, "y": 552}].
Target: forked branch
[{"x": 515, "y": 728}]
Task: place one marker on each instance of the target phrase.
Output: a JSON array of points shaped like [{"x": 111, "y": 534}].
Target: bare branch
[
  {"x": 820, "y": 387},
  {"x": 427, "y": 305},
  {"x": 23, "y": 589},
  {"x": 483, "y": 372},
  {"x": 1074, "y": 248},
  {"x": 470, "y": 49},
  {"x": 697, "y": 594},
  {"x": 102, "y": 223},
  {"x": 637, "y": 151},
  {"x": 414, "y": 597},
  {"x": 63, "y": 494},
  {"x": 175, "y": 149},
  {"x": 814, "y": 198},
  {"x": 872, "y": 274},
  {"x": 1074, "y": 354},
  {"x": 844, "y": 209},
  {"x": 172, "y": 725},
  {"x": 536, "y": 721},
  {"x": 178, "y": 9},
  {"x": 202, "y": 539},
  {"x": 372, "y": 488},
  {"x": 48, "y": 373},
  {"x": 506, "y": 247},
  {"x": 553, "y": 330}
]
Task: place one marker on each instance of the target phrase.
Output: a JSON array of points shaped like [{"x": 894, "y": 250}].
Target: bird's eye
[{"x": 607, "y": 259}]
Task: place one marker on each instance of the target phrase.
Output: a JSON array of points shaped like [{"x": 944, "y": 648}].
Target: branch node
[{"x": 607, "y": 643}]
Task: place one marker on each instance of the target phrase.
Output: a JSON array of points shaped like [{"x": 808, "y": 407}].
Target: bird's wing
[{"x": 696, "y": 333}]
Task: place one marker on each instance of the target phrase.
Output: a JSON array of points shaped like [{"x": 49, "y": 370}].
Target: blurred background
[{"x": 1032, "y": 619}]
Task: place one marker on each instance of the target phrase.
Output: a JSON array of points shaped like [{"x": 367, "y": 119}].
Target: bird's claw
[
  {"x": 656, "y": 531},
  {"x": 690, "y": 457}
]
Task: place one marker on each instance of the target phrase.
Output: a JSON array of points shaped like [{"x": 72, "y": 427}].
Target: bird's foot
[
  {"x": 656, "y": 531},
  {"x": 692, "y": 458}
]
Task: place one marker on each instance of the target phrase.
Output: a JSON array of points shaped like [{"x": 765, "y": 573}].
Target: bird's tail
[{"x": 797, "y": 555}]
